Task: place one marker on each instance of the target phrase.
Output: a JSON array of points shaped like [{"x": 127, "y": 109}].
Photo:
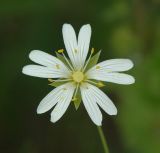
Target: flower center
[{"x": 78, "y": 76}]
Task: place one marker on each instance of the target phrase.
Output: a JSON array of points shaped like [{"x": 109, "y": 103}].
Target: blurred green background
[{"x": 122, "y": 29}]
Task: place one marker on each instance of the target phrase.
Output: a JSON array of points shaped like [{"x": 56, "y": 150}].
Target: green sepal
[
  {"x": 78, "y": 100},
  {"x": 60, "y": 57},
  {"x": 93, "y": 61},
  {"x": 56, "y": 84}
]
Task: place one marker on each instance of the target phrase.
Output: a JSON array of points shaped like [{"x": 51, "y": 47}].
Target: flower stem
[{"x": 103, "y": 139}]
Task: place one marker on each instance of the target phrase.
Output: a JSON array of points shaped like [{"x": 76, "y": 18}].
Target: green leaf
[
  {"x": 56, "y": 84},
  {"x": 93, "y": 61},
  {"x": 78, "y": 100},
  {"x": 60, "y": 57}
]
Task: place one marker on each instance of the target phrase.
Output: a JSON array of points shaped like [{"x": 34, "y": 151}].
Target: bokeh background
[{"x": 122, "y": 29}]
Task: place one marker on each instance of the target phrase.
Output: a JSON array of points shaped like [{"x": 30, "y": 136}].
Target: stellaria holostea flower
[{"x": 77, "y": 77}]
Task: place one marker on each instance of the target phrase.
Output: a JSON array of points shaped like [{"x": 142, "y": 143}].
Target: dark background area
[{"x": 122, "y": 29}]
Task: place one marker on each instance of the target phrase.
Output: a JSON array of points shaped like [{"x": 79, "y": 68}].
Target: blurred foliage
[{"x": 122, "y": 29}]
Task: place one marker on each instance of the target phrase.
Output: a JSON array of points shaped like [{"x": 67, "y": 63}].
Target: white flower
[{"x": 74, "y": 77}]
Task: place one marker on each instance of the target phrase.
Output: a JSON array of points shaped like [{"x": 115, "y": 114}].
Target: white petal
[
  {"x": 70, "y": 42},
  {"x": 45, "y": 59},
  {"x": 108, "y": 71},
  {"x": 83, "y": 42},
  {"x": 51, "y": 99},
  {"x": 63, "y": 103},
  {"x": 90, "y": 105},
  {"x": 114, "y": 65},
  {"x": 114, "y": 77},
  {"x": 102, "y": 99},
  {"x": 44, "y": 72}
]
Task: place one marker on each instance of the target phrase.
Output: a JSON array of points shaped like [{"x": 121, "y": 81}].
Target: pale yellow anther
[
  {"x": 64, "y": 88},
  {"x": 75, "y": 50},
  {"x": 78, "y": 76},
  {"x": 92, "y": 50},
  {"x": 60, "y": 51},
  {"x": 57, "y": 66},
  {"x": 100, "y": 84},
  {"x": 74, "y": 99},
  {"x": 50, "y": 80},
  {"x": 98, "y": 67}
]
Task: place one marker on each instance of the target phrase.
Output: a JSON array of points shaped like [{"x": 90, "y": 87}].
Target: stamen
[
  {"x": 75, "y": 50},
  {"x": 91, "y": 82},
  {"x": 98, "y": 84},
  {"x": 98, "y": 67},
  {"x": 75, "y": 94},
  {"x": 59, "y": 80},
  {"x": 50, "y": 80},
  {"x": 57, "y": 66},
  {"x": 92, "y": 51},
  {"x": 68, "y": 62},
  {"x": 60, "y": 51},
  {"x": 74, "y": 99}
]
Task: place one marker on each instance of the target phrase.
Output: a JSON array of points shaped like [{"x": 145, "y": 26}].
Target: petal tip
[
  {"x": 87, "y": 27},
  {"x": 24, "y": 69},
  {"x": 131, "y": 63},
  {"x": 52, "y": 119},
  {"x": 39, "y": 111},
  {"x": 113, "y": 111},
  {"x": 132, "y": 81},
  {"x": 66, "y": 26},
  {"x": 98, "y": 123},
  {"x": 33, "y": 53}
]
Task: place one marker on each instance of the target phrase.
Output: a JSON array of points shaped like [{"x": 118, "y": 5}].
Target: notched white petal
[
  {"x": 84, "y": 42},
  {"x": 63, "y": 103},
  {"x": 90, "y": 105},
  {"x": 113, "y": 65},
  {"x": 102, "y": 100},
  {"x": 119, "y": 78},
  {"x": 45, "y": 59},
  {"x": 51, "y": 99},
  {"x": 70, "y": 41},
  {"x": 108, "y": 71},
  {"x": 44, "y": 72}
]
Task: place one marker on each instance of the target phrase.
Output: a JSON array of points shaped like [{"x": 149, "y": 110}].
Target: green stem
[{"x": 103, "y": 139}]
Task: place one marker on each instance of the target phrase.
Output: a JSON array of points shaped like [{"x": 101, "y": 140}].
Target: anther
[
  {"x": 98, "y": 67},
  {"x": 75, "y": 50},
  {"x": 60, "y": 51},
  {"x": 92, "y": 50},
  {"x": 50, "y": 80},
  {"x": 57, "y": 66},
  {"x": 100, "y": 84},
  {"x": 87, "y": 88},
  {"x": 74, "y": 99}
]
